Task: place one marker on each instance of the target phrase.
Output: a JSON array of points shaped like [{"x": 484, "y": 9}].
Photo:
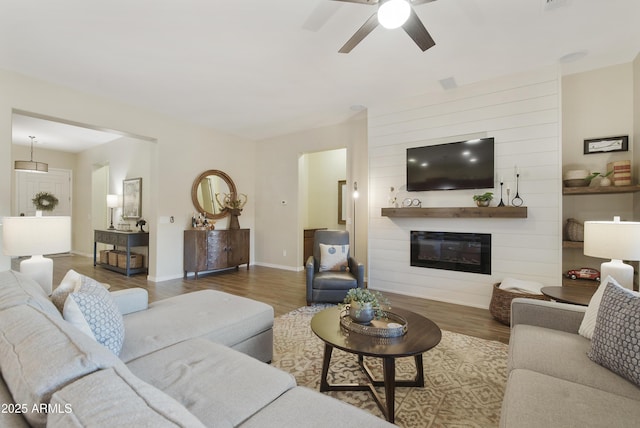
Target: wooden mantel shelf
[{"x": 458, "y": 212}]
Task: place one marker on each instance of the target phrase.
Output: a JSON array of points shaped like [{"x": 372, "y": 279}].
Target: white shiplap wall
[{"x": 522, "y": 112}]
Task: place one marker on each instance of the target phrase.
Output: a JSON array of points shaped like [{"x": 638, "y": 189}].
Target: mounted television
[{"x": 460, "y": 165}]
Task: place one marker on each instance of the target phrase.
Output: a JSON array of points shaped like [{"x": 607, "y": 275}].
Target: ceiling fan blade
[
  {"x": 361, "y": 1},
  {"x": 362, "y": 32},
  {"x": 417, "y": 32},
  {"x": 417, "y": 2}
]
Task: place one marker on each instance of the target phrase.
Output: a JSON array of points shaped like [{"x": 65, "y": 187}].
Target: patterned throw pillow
[
  {"x": 69, "y": 283},
  {"x": 589, "y": 321},
  {"x": 616, "y": 338},
  {"x": 93, "y": 311},
  {"x": 334, "y": 258}
]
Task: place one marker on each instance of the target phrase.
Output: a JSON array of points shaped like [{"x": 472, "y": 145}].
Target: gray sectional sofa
[
  {"x": 188, "y": 361},
  {"x": 551, "y": 380}
]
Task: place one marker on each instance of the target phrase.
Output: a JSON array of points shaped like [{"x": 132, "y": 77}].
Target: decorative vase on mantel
[{"x": 362, "y": 313}]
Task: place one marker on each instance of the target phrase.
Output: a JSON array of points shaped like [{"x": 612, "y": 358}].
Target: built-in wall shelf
[
  {"x": 457, "y": 212},
  {"x": 599, "y": 190},
  {"x": 573, "y": 244}
]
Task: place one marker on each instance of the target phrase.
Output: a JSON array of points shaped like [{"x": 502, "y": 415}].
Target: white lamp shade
[
  {"x": 113, "y": 201},
  {"x": 393, "y": 13},
  {"x": 618, "y": 240},
  {"x": 29, "y": 236}
]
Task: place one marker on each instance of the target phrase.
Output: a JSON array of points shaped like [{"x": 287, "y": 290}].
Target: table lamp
[
  {"x": 36, "y": 236},
  {"x": 113, "y": 201},
  {"x": 617, "y": 240}
]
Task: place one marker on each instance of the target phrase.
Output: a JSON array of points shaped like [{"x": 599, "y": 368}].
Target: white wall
[
  {"x": 522, "y": 112},
  {"x": 182, "y": 152}
]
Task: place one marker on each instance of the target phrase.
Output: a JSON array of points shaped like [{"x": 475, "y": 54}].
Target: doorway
[{"x": 58, "y": 182}]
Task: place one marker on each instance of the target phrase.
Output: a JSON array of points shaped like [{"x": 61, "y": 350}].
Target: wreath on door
[{"x": 45, "y": 201}]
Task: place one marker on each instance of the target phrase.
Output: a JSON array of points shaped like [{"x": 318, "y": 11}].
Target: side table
[{"x": 567, "y": 294}]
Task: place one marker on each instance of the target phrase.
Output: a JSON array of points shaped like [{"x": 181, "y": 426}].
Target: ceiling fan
[{"x": 392, "y": 14}]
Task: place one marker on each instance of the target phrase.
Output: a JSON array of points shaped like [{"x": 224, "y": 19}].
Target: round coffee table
[
  {"x": 422, "y": 334},
  {"x": 576, "y": 295}
]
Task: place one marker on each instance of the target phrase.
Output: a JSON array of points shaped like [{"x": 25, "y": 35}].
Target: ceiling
[{"x": 258, "y": 69}]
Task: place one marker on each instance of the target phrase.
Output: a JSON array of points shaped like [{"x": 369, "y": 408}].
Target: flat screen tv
[{"x": 460, "y": 165}]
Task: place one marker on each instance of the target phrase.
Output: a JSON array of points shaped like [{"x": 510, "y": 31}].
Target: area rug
[{"x": 464, "y": 376}]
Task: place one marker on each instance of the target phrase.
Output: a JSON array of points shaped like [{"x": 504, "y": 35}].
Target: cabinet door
[
  {"x": 238, "y": 241},
  {"x": 218, "y": 250},
  {"x": 195, "y": 250}
]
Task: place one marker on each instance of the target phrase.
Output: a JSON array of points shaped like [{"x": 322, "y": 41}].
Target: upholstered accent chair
[{"x": 331, "y": 270}]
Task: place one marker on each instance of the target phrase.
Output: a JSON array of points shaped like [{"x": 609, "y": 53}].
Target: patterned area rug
[{"x": 464, "y": 376}]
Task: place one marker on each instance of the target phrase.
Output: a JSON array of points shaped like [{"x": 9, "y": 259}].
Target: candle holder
[
  {"x": 501, "y": 204},
  {"x": 517, "y": 200}
]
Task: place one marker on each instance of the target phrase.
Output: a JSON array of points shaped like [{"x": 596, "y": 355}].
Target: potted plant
[
  {"x": 364, "y": 305},
  {"x": 484, "y": 199},
  {"x": 606, "y": 181}
]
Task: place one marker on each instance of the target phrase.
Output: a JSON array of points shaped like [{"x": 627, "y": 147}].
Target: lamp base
[
  {"x": 40, "y": 269},
  {"x": 621, "y": 272}
]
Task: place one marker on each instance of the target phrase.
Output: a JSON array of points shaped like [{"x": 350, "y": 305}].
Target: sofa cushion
[
  {"x": 534, "y": 400},
  {"x": 616, "y": 338},
  {"x": 316, "y": 410},
  {"x": 334, "y": 258},
  {"x": 18, "y": 289},
  {"x": 11, "y": 414},
  {"x": 563, "y": 355},
  {"x": 213, "y": 315},
  {"x": 116, "y": 398},
  {"x": 588, "y": 324},
  {"x": 91, "y": 309},
  {"x": 217, "y": 384},
  {"x": 40, "y": 354}
]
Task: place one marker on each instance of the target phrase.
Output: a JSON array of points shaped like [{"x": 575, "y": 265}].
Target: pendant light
[{"x": 31, "y": 165}]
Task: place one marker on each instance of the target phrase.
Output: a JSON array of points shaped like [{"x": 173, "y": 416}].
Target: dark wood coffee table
[
  {"x": 577, "y": 295},
  {"x": 422, "y": 335}
]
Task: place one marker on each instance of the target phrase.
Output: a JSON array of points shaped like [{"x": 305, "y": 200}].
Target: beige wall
[
  {"x": 324, "y": 170},
  {"x": 598, "y": 103},
  {"x": 181, "y": 152},
  {"x": 279, "y": 227}
]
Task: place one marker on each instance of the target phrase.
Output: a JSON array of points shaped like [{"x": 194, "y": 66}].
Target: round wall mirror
[{"x": 204, "y": 189}]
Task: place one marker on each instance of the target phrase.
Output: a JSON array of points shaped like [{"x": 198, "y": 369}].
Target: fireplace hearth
[{"x": 463, "y": 252}]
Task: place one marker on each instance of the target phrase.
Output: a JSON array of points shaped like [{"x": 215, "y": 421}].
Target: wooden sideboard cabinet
[{"x": 208, "y": 250}]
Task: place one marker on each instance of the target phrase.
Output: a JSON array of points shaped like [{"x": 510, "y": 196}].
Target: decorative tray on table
[{"x": 391, "y": 325}]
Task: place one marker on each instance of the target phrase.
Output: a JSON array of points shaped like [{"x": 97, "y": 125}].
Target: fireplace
[{"x": 463, "y": 252}]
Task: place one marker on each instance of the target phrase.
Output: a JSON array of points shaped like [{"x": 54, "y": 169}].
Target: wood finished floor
[{"x": 284, "y": 290}]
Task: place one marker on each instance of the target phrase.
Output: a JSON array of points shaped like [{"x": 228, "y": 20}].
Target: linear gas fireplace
[{"x": 464, "y": 252}]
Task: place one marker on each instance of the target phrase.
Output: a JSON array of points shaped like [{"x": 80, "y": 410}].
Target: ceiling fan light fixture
[{"x": 393, "y": 13}]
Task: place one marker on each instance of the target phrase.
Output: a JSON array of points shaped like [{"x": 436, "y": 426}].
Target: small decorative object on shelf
[
  {"x": 621, "y": 172},
  {"x": 517, "y": 200},
  {"x": 584, "y": 273},
  {"x": 577, "y": 178},
  {"x": 140, "y": 223},
  {"x": 483, "y": 200},
  {"x": 364, "y": 305},
  {"x": 393, "y": 198},
  {"x": 45, "y": 201},
  {"x": 201, "y": 222},
  {"x": 233, "y": 206},
  {"x": 605, "y": 182},
  {"x": 501, "y": 204}
]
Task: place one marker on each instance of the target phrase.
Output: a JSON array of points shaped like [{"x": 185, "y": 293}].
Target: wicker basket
[
  {"x": 574, "y": 230},
  {"x": 135, "y": 260},
  {"x": 104, "y": 256},
  {"x": 500, "y": 307},
  {"x": 113, "y": 257}
]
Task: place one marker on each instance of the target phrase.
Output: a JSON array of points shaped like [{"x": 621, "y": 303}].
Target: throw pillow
[
  {"x": 93, "y": 311},
  {"x": 616, "y": 338},
  {"x": 334, "y": 258},
  {"x": 69, "y": 283},
  {"x": 589, "y": 321}
]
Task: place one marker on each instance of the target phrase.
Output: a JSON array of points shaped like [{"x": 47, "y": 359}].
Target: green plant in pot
[
  {"x": 484, "y": 199},
  {"x": 364, "y": 305}
]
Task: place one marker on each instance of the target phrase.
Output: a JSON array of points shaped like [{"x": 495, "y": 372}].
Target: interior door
[{"x": 56, "y": 181}]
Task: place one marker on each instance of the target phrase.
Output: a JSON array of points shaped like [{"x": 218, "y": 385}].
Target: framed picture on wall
[
  {"x": 606, "y": 145},
  {"x": 132, "y": 198}
]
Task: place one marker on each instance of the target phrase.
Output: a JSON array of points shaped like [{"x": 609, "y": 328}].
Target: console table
[{"x": 120, "y": 239}]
